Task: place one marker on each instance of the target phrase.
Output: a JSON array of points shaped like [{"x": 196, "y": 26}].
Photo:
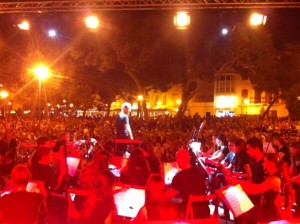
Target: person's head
[
  {"x": 240, "y": 145},
  {"x": 221, "y": 140},
  {"x": 43, "y": 155},
  {"x": 64, "y": 137},
  {"x": 42, "y": 142},
  {"x": 231, "y": 145},
  {"x": 20, "y": 175},
  {"x": 254, "y": 146},
  {"x": 155, "y": 188},
  {"x": 101, "y": 160},
  {"x": 109, "y": 146},
  {"x": 271, "y": 163},
  {"x": 183, "y": 158},
  {"x": 137, "y": 159},
  {"x": 295, "y": 149},
  {"x": 147, "y": 147},
  {"x": 278, "y": 140},
  {"x": 102, "y": 184},
  {"x": 126, "y": 107}
]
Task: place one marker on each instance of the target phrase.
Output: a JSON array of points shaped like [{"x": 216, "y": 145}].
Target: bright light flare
[
  {"x": 178, "y": 101},
  {"x": 92, "y": 22},
  {"x": 3, "y": 94},
  {"x": 182, "y": 20},
  {"x": 52, "y": 33},
  {"x": 257, "y": 19},
  {"x": 24, "y": 25},
  {"x": 246, "y": 101},
  {"x": 41, "y": 71},
  {"x": 224, "y": 31},
  {"x": 140, "y": 98}
]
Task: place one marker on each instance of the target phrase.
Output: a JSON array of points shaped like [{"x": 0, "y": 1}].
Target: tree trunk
[
  {"x": 108, "y": 111},
  {"x": 266, "y": 113}
]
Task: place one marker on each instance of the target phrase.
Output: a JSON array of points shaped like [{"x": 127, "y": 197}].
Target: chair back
[
  {"x": 72, "y": 211},
  {"x": 189, "y": 214}
]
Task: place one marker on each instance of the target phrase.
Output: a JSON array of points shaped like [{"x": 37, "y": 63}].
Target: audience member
[
  {"x": 137, "y": 169},
  {"x": 157, "y": 204},
  {"x": 99, "y": 206},
  {"x": 270, "y": 188},
  {"x": 21, "y": 206},
  {"x": 189, "y": 181}
]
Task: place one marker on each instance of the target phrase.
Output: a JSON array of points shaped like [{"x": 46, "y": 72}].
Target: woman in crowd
[
  {"x": 147, "y": 149},
  {"x": 240, "y": 165},
  {"x": 137, "y": 169},
  {"x": 271, "y": 189},
  {"x": 41, "y": 169},
  {"x": 157, "y": 204},
  {"x": 98, "y": 207},
  {"x": 98, "y": 164}
]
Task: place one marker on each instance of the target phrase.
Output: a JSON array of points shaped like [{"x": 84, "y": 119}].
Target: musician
[
  {"x": 123, "y": 129},
  {"x": 189, "y": 181}
]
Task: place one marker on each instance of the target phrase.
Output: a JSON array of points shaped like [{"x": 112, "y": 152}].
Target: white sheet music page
[
  {"x": 129, "y": 202},
  {"x": 237, "y": 200}
]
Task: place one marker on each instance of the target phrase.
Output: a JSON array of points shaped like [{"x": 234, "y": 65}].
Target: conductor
[{"x": 123, "y": 129}]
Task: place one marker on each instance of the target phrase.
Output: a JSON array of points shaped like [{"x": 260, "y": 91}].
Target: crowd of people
[{"x": 263, "y": 156}]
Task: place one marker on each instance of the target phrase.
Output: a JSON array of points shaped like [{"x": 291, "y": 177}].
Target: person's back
[
  {"x": 137, "y": 170},
  {"x": 98, "y": 207},
  {"x": 20, "y": 206},
  {"x": 190, "y": 181}
]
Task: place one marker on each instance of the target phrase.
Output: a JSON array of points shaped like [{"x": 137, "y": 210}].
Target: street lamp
[
  {"x": 41, "y": 72},
  {"x": 92, "y": 22},
  {"x": 182, "y": 20},
  {"x": 246, "y": 102},
  {"x": 257, "y": 19},
  {"x": 3, "y": 95}
]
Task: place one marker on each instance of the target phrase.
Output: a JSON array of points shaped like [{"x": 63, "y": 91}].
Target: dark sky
[{"x": 283, "y": 23}]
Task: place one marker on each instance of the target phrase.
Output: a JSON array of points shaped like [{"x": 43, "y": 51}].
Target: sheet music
[
  {"x": 170, "y": 170},
  {"x": 73, "y": 164},
  {"x": 129, "y": 201},
  {"x": 237, "y": 200}
]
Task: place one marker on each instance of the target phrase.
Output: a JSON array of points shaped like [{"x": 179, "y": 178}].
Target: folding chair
[
  {"x": 189, "y": 214},
  {"x": 72, "y": 212}
]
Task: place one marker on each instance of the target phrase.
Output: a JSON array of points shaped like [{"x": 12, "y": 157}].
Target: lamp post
[
  {"x": 3, "y": 95},
  {"x": 246, "y": 102},
  {"x": 41, "y": 72},
  {"x": 182, "y": 20}
]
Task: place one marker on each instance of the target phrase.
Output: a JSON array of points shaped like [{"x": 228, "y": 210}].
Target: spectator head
[
  {"x": 109, "y": 146},
  {"x": 278, "y": 139},
  {"x": 42, "y": 155},
  {"x": 240, "y": 145},
  {"x": 20, "y": 175},
  {"x": 137, "y": 159},
  {"x": 42, "y": 141},
  {"x": 295, "y": 149},
  {"x": 64, "y": 137},
  {"x": 254, "y": 147},
  {"x": 126, "y": 107},
  {"x": 271, "y": 162},
  {"x": 101, "y": 160},
  {"x": 221, "y": 140},
  {"x": 183, "y": 158},
  {"x": 155, "y": 188},
  {"x": 147, "y": 147}
]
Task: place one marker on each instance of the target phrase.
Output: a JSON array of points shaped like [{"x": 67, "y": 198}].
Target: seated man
[
  {"x": 190, "y": 181},
  {"x": 20, "y": 206}
]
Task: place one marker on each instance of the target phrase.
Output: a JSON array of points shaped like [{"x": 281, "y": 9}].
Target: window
[
  {"x": 244, "y": 93},
  {"x": 224, "y": 84},
  {"x": 164, "y": 100}
]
